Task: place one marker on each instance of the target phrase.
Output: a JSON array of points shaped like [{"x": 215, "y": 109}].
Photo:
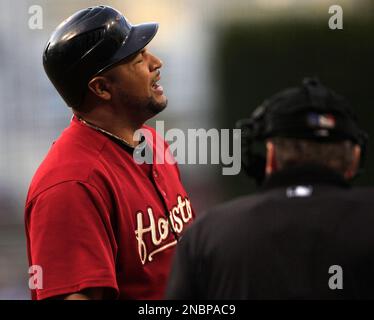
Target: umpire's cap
[
  {"x": 311, "y": 111},
  {"x": 87, "y": 43}
]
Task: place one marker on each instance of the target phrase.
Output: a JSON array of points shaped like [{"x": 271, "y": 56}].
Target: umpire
[{"x": 307, "y": 234}]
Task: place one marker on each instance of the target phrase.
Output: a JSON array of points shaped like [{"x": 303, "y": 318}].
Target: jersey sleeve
[{"x": 71, "y": 239}]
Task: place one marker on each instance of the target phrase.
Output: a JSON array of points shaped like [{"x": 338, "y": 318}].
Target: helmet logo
[{"x": 324, "y": 121}]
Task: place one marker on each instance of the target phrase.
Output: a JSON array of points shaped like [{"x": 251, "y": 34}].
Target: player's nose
[{"x": 156, "y": 63}]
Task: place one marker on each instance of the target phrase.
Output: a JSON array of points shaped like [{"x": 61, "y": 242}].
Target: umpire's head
[{"x": 306, "y": 125}]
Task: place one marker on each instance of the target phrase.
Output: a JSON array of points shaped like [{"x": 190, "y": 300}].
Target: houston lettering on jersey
[{"x": 159, "y": 230}]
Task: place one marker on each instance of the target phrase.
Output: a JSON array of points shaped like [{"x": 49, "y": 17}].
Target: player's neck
[{"x": 119, "y": 126}]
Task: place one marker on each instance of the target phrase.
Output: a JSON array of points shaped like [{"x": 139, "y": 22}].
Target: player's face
[{"x": 136, "y": 84}]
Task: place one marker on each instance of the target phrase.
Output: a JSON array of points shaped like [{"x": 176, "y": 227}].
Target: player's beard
[{"x": 148, "y": 106}]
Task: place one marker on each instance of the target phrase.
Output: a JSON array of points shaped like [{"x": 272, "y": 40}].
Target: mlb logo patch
[{"x": 324, "y": 121}]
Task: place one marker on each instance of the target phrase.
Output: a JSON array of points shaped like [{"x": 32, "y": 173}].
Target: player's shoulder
[
  {"x": 76, "y": 147},
  {"x": 72, "y": 157}
]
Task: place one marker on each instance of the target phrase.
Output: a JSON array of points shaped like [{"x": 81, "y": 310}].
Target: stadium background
[{"x": 221, "y": 59}]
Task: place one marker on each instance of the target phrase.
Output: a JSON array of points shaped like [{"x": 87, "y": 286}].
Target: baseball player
[
  {"x": 307, "y": 234},
  {"x": 99, "y": 224}
]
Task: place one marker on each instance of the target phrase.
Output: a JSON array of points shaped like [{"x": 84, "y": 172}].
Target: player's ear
[
  {"x": 270, "y": 158},
  {"x": 100, "y": 87}
]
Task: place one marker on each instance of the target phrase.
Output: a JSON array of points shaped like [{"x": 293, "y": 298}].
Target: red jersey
[{"x": 95, "y": 218}]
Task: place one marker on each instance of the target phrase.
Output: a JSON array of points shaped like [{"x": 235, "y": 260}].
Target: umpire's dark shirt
[{"x": 281, "y": 242}]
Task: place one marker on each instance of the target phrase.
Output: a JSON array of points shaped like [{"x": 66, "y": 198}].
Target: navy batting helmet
[{"x": 87, "y": 43}]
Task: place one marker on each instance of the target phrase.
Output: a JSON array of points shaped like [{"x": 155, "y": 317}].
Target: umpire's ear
[
  {"x": 271, "y": 164},
  {"x": 355, "y": 164},
  {"x": 99, "y": 86}
]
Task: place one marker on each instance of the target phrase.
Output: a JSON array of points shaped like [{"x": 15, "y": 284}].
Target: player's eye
[{"x": 140, "y": 57}]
